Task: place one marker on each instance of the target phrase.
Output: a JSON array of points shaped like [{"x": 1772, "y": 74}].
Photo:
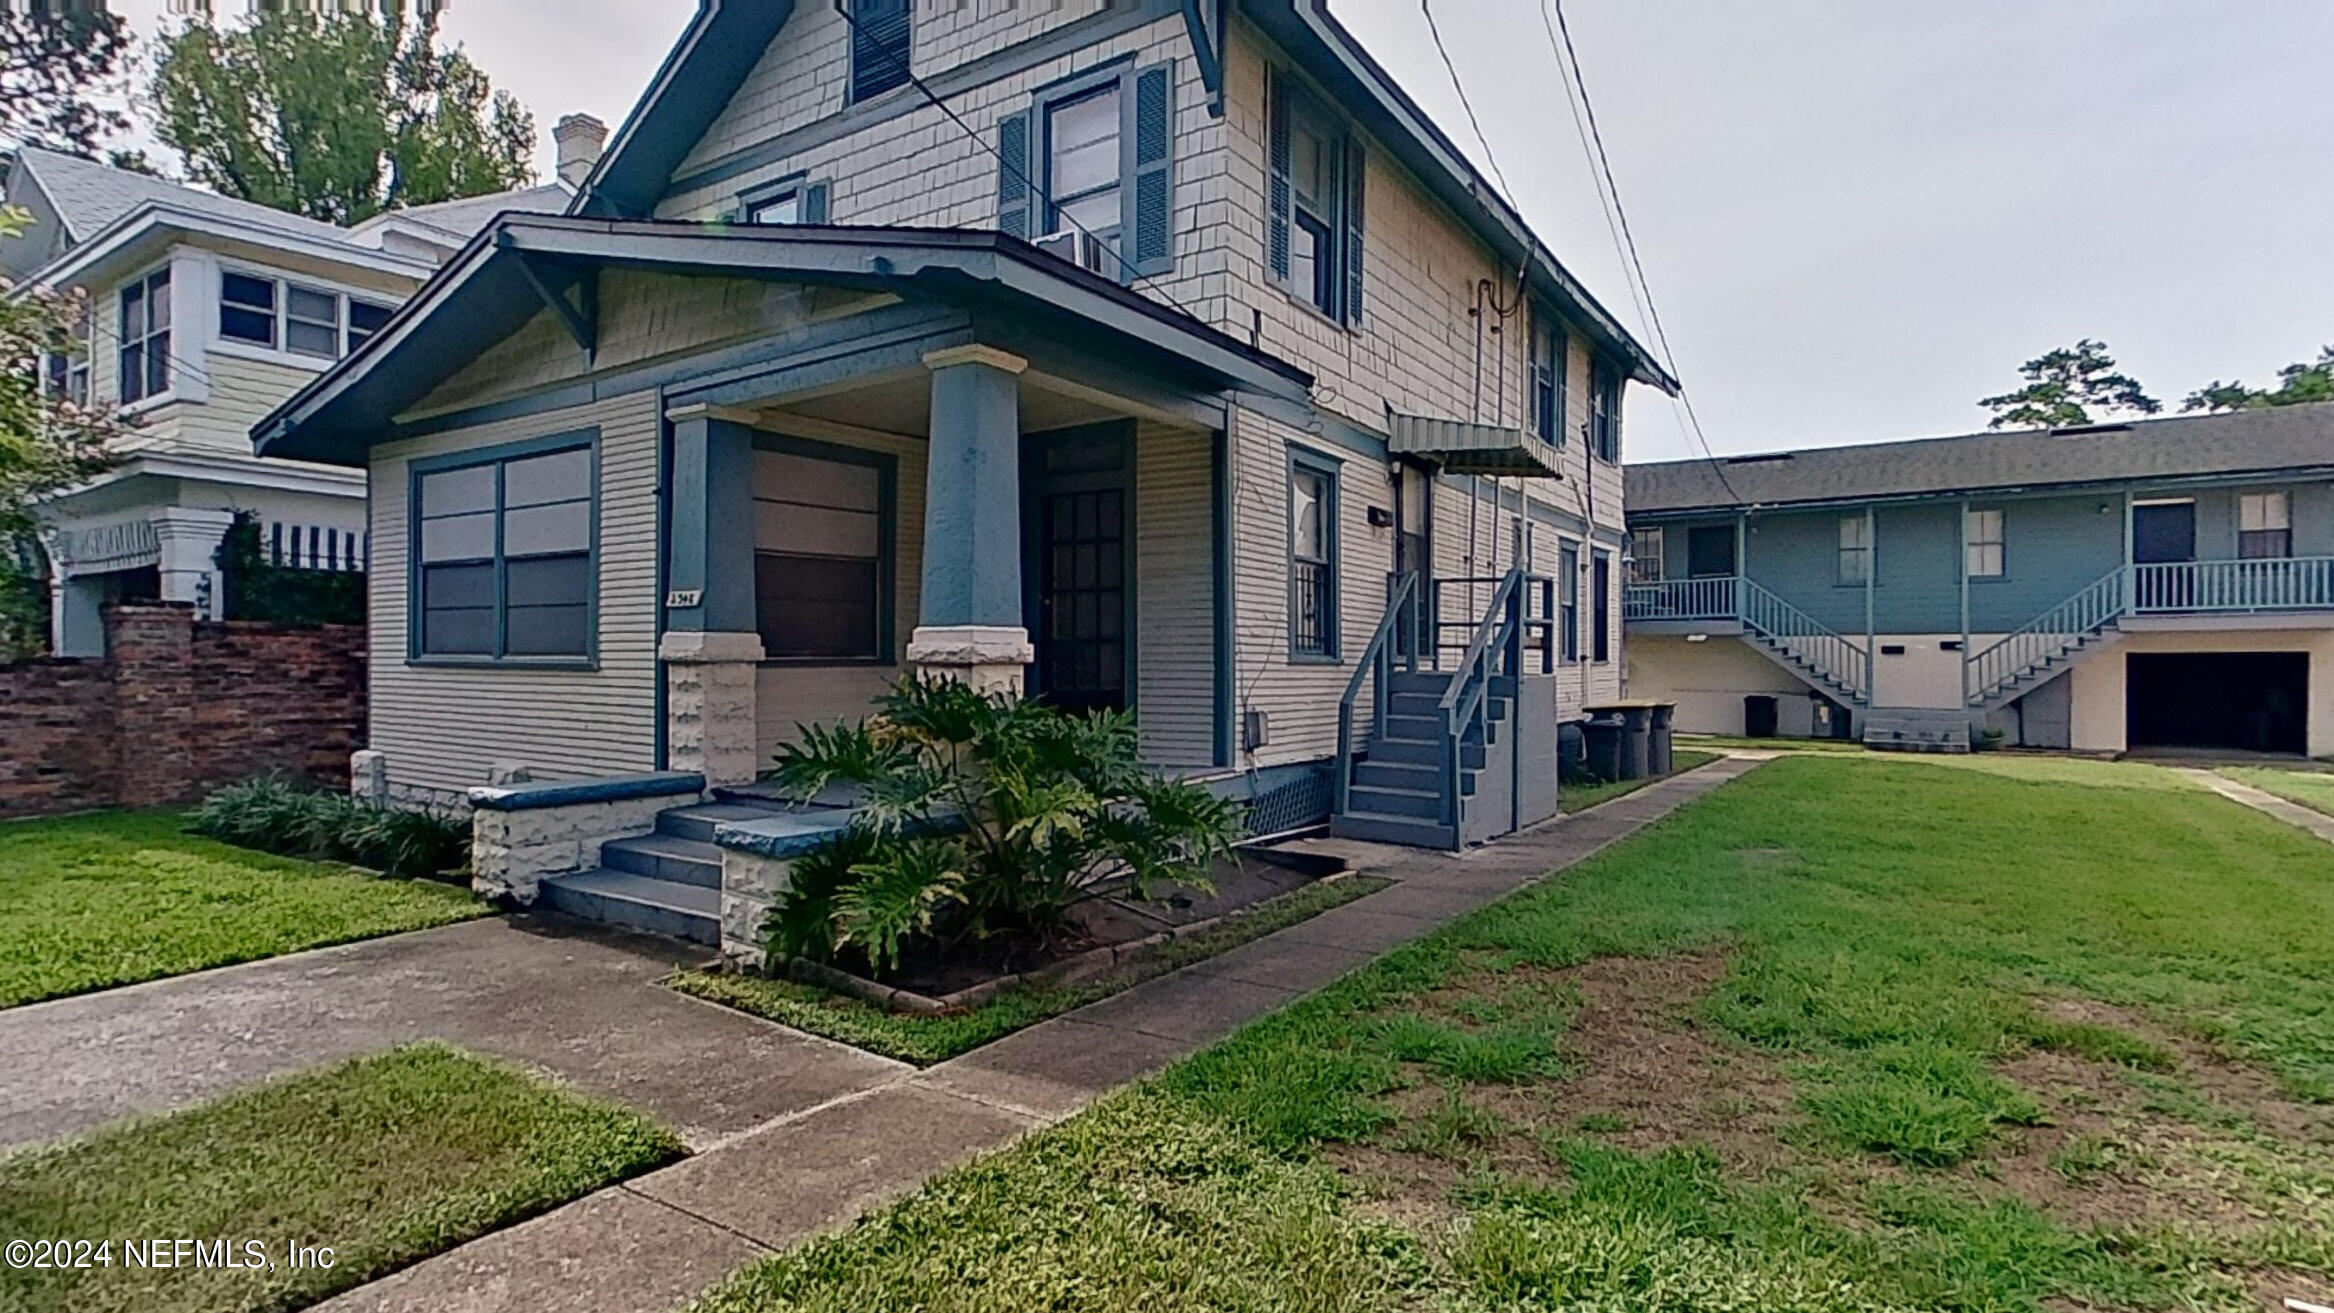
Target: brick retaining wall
[{"x": 177, "y": 708}]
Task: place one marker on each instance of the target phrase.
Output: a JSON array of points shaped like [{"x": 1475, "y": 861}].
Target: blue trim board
[
  {"x": 587, "y": 439},
  {"x": 1226, "y": 682},
  {"x": 572, "y": 793}
]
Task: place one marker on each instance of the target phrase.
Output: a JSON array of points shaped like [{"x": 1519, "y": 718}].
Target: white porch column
[
  {"x": 189, "y": 539},
  {"x": 76, "y": 612},
  {"x": 710, "y": 704},
  {"x": 970, "y": 627}
]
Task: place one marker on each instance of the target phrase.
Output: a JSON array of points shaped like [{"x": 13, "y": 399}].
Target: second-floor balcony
[{"x": 1681, "y": 599}]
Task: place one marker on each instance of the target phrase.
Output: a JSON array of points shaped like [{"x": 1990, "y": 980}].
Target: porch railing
[
  {"x": 2290, "y": 583},
  {"x": 1680, "y": 599},
  {"x": 1497, "y": 645}
]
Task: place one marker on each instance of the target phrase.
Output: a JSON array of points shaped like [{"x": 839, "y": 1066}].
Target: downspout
[{"x": 1965, "y": 606}]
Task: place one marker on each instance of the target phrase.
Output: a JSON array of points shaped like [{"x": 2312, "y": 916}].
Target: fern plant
[{"x": 983, "y": 820}]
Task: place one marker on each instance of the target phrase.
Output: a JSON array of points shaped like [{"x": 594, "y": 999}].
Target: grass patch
[
  {"x": 927, "y": 1038},
  {"x": 88, "y": 902},
  {"x": 385, "y": 1159},
  {"x": 1581, "y": 797},
  {"x": 1898, "y": 939},
  {"x": 2312, "y": 789}
]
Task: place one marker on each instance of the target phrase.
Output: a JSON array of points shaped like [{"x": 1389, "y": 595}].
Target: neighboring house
[
  {"x": 205, "y": 313},
  {"x": 790, "y": 404},
  {"x": 2161, "y": 584}
]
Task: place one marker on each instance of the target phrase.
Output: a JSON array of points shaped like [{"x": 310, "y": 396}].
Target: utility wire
[{"x": 1507, "y": 193}]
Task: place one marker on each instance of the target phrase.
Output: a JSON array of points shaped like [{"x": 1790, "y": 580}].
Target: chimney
[{"x": 580, "y": 138}]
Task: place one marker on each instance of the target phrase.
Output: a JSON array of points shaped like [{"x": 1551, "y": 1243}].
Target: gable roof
[
  {"x": 723, "y": 42},
  {"x": 489, "y": 291},
  {"x": 461, "y": 219},
  {"x": 2273, "y": 440},
  {"x": 89, "y": 197}
]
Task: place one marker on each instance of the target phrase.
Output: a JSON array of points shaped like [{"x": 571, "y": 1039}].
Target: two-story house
[
  {"x": 1127, "y": 354},
  {"x": 2166, "y": 584},
  {"x": 202, "y": 314}
]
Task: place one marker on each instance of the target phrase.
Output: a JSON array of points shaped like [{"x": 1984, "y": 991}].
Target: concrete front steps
[
  {"x": 667, "y": 883},
  {"x": 1917, "y": 729}
]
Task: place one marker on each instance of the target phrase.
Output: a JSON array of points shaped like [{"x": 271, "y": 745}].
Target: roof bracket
[{"x": 583, "y": 322}]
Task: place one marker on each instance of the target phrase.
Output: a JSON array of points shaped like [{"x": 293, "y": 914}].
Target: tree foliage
[
  {"x": 985, "y": 819},
  {"x": 50, "y": 67},
  {"x": 2297, "y": 384},
  {"x": 2068, "y": 387},
  {"x": 337, "y": 115}
]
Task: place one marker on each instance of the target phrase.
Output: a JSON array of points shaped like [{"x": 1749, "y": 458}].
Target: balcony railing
[
  {"x": 2292, "y": 583},
  {"x": 1680, "y": 599}
]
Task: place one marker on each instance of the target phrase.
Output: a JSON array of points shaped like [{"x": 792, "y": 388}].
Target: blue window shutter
[
  {"x": 1013, "y": 175},
  {"x": 880, "y": 31},
  {"x": 1280, "y": 199},
  {"x": 814, "y": 202},
  {"x": 1357, "y": 177},
  {"x": 1563, "y": 378},
  {"x": 1150, "y": 202}
]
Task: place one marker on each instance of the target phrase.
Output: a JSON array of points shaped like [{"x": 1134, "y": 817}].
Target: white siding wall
[
  {"x": 1175, "y": 622},
  {"x": 442, "y": 727}
]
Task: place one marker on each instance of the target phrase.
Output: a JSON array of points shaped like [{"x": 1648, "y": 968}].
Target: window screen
[{"x": 819, "y": 553}]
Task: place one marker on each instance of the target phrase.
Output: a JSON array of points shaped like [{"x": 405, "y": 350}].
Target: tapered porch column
[
  {"x": 189, "y": 539},
  {"x": 970, "y": 627},
  {"x": 712, "y": 645}
]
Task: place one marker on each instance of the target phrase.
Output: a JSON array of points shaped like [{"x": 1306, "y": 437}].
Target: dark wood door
[
  {"x": 1082, "y": 597},
  {"x": 2164, "y": 533}
]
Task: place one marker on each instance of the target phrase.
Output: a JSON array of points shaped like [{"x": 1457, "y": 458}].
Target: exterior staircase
[
  {"x": 2043, "y": 647},
  {"x": 667, "y": 883},
  {"x": 1830, "y": 661},
  {"x": 1397, "y": 791}
]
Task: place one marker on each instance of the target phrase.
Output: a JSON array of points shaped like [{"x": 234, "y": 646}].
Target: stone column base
[
  {"x": 710, "y": 711},
  {"x": 988, "y": 657}
]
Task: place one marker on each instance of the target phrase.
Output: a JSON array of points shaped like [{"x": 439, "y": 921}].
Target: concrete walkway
[
  {"x": 2293, "y": 813},
  {"x": 796, "y": 1136}
]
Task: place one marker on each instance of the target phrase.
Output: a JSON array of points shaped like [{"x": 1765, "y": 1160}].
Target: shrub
[
  {"x": 277, "y": 815},
  {"x": 985, "y": 819}
]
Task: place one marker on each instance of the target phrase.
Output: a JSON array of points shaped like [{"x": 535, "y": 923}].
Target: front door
[
  {"x": 2163, "y": 533},
  {"x": 1413, "y": 549},
  {"x": 1079, "y": 496}
]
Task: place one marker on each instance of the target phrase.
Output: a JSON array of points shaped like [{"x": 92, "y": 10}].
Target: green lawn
[
  {"x": 1581, "y": 797},
  {"x": 87, "y": 902},
  {"x": 1849, "y": 1034},
  {"x": 925, "y": 1038},
  {"x": 385, "y": 1160},
  {"x": 2312, "y": 789}
]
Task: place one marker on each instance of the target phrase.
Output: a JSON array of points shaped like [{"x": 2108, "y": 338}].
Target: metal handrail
[
  {"x": 2050, "y": 634},
  {"x": 1829, "y": 653},
  {"x": 1378, "y": 658}
]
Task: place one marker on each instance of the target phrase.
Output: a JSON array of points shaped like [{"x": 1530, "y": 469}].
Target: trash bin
[
  {"x": 1604, "y": 747},
  {"x": 1636, "y": 742},
  {"x": 1658, "y": 758},
  {"x": 1571, "y": 747},
  {"x": 1758, "y": 716}
]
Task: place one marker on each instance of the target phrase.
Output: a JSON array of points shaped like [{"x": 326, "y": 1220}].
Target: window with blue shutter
[
  {"x": 1150, "y": 216},
  {"x": 1548, "y": 368},
  {"x": 1318, "y": 173},
  {"x": 1095, "y": 154},
  {"x": 880, "y": 31},
  {"x": 1013, "y": 183}
]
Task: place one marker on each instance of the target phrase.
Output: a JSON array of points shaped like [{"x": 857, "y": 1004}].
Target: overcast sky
[{"x": 1857, "y": 218}]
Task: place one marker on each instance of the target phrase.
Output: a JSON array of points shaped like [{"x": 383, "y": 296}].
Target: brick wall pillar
[{"x": 152, "y": 651}]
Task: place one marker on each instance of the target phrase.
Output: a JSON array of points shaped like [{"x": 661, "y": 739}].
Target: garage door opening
[{"x": 2240, "y": 701}]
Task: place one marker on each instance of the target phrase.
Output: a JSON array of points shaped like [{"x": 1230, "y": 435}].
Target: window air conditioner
[{"x": 1080, "y": 249}]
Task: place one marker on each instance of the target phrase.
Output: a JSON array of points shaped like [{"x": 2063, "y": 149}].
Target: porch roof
[
  {"x": 504, "y": 278},
  {"x": 1460, "y": 447}
]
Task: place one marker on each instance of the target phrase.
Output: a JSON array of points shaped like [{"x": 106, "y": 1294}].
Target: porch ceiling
[{"x": 904, "y": 405}]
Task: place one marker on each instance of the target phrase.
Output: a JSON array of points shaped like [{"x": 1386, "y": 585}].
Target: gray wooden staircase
[
  {"x": 667, "y": 883},
  {"x": 2042, "y": 648},
  {"x": 1830, "y": 661},
  {"x": 1397, "y": 792}
]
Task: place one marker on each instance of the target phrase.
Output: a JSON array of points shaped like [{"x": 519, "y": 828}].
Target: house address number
[{"x": 684, "y": 597}]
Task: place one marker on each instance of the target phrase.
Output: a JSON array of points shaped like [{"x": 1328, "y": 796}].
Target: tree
[
  {"x": 2297, "y": 384},
  {"x": 337, "y": 115},
  {"x": 50, "y": 65},
  {"x": 47, "y": 443},
  {"x": 2068, "y": 387}
]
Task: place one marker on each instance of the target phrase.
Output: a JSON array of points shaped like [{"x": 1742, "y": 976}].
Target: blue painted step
[
  {"x": 663, "y": 857},
  {"x": 636, "y": 902}
]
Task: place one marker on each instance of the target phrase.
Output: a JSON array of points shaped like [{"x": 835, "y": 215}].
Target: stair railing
[
  {"x": 1465, "y": 705},
  {"x": 1832, "y": 655},
  {"x": 1394, "y": 645},
  {"x": 2051, "y": 634}
]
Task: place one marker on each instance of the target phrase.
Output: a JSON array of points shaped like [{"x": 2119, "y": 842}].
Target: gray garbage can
[
  {"x": 1604, "y": 747},
  {"x": 1636, "y": 742},
  {"x": 1658, "y": 757}
]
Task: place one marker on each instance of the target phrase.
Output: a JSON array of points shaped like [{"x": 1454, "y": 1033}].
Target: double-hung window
[
  {"x": 287, "y": 316},
  {"x": 1981, "y": 543},
  {"x": 880, "y": 37},
  {"x": 1548, "y": 366},
  {"x": 1600, "y": 582},
  {"x": 1317, "y": 177},
  {"x": 65, "y": 366},
  {"x": 1855, "y": 565},
  {"x": 1082, "y": 165},
  {"x": 1604, "y": 409},
  {"x": 1314, "y": 169},
  {"x": 2264, "y": 525},
  {"x": 1648, "y": 551},
  {"x": 1312, "y": 559},
  {"x": 1568, "y": 601},
  {"x": 145, "y": 337},
  {"x": 822, "y": 551},
  {"x": 1093, "y": 157},
  {"x": 503, "y": 554}
]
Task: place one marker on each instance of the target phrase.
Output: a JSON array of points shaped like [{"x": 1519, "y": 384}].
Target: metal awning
[{"x": 1460, "y": 447}]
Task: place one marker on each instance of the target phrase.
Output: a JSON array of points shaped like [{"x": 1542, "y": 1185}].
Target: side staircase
[
  {"x": 1830, "y": 661},
  {"x": 2043, "y": 647},
  {"x": 1397, "y": 791},
  {"x": 667, "y": 883}
]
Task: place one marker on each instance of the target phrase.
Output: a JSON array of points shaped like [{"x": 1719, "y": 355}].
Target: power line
[
  {"x": 1568, "y": 56},
  {"x": 1507, "y": 193}
]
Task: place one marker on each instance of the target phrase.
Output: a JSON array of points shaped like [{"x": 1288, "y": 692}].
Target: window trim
[
  {"x": 1606, "y": 383},
  {"x": 1330, "y": 470},
  {"x": 887, "y": 546},
  {"x": 1045, "y": 209},
  {"x": 1550, "y": 377},
  {"x": 1999, "y": 542},
  {"x": 1841, "y": 550},
  {"x": 344, "y": 296},
  {"x": 1601, "y": 620},
  {"x": 796, "y": 185},
  {"x": 1568, "y": 592},
  {"x": 501, "y": 453},
  {"x": 83, "y": 363},
  {"x": 2285, "y": 496},
  {"x": 1337, "y": 139},
  {"x": 1657, "y": 535},
  {"x": 126, "y": 404}
]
